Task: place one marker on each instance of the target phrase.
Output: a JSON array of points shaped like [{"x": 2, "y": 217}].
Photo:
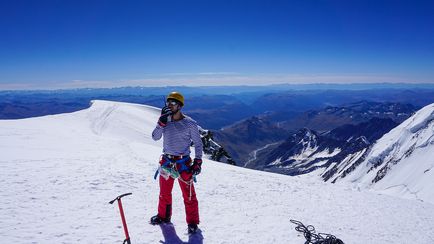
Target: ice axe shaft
[{"x": 124, "y": 222}]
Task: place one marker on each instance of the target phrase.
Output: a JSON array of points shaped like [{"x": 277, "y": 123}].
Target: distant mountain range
[
  {"x": 218, "y": 107},
  {"x": 353, "y": 113},
  {"x": 238, "y": 141},
  {"x": 307, "y": 150}
]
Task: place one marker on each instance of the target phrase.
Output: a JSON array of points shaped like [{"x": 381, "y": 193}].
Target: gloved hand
[
  {"x": 166, "y": 110},
  {"x": 165, "y": 113},
  {"x": 196, "y": 166}
]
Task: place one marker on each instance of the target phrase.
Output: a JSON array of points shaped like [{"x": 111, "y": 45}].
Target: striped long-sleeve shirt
[{"x": 177, "y": 137}]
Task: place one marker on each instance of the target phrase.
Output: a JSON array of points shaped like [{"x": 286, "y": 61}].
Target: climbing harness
[{"x": 173, "y": 166}]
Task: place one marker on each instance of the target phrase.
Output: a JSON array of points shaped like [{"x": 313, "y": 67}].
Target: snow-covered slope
[
  {"x": 329, "y": 153},
  {"x": 401, "y": 163},
  {"x": 59, "y": 172}
]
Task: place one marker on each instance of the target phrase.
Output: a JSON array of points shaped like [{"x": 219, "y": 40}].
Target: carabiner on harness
[
  {"x": 167, "y": 172},
  {"x": 171, "y": 167}
]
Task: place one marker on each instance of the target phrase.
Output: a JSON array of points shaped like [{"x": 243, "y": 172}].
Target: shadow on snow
[{"x": 170, "y": 236}]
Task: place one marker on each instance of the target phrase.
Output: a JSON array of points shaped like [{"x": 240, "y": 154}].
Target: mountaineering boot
[
  {"x": 156, "y": 220},
  {"x": 192, "y": 228}
]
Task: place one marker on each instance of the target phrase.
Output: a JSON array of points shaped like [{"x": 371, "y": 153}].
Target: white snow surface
[
  {"x": 59, "y": 172},
  {"x": 409, "y": 150}
]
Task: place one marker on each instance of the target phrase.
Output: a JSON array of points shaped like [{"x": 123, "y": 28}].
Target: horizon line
[{"x": 373, "y": 84}]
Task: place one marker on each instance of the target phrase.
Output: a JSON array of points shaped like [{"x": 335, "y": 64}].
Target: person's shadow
[{"x": 170, "y": 236}]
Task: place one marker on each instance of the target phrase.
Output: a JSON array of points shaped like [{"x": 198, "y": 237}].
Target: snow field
[{"x": 59, "y": 173}]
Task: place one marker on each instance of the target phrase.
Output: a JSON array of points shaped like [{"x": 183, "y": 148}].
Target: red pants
[{"x": 189, "y": 195}]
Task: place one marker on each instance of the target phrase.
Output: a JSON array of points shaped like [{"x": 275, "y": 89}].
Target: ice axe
[{"x": 124, "y": 222}]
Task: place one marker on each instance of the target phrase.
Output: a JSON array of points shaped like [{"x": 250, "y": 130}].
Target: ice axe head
[{"x": 119, "y": 197}]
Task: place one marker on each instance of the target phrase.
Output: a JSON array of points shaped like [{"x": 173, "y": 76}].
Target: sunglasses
[{"x": 171, "y": 102}]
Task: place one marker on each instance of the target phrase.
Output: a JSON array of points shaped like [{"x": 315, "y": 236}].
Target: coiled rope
[{"x": 314, "y": 238}]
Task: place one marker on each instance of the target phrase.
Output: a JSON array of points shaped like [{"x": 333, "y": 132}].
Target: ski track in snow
[{"x": 56, "y": 183}]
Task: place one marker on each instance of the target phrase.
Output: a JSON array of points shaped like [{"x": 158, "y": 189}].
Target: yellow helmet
[{"x": 176, "y": 96}]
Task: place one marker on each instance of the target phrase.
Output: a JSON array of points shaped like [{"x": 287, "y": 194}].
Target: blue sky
[{"x": 68, "y": 44}]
